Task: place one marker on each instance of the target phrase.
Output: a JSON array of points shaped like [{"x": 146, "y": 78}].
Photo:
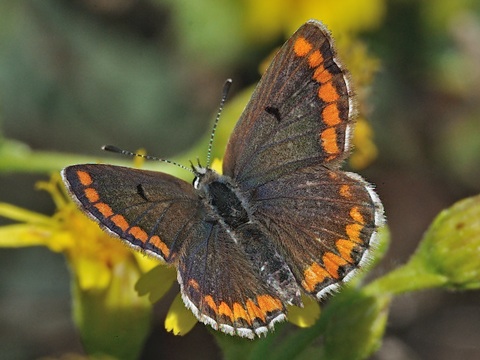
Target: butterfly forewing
[
  {"x": 150, "y": 210},
  {"x": 299, "y": 114}
]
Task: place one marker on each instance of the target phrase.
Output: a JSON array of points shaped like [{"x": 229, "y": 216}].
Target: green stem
[
  {"x": 19, "y": 158},
  {"x": 412, "y": 276}
]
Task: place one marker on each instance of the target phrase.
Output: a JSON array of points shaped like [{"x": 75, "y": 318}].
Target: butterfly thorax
[
  {"x": 229, "y": 207},
  {"x": 222, "y": 196}
]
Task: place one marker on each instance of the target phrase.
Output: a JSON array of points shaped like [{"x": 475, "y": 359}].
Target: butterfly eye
[{"x": 196, "y": 182}]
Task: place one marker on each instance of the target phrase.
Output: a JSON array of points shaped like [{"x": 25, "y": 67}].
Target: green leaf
[{"x": 156, "y": 282}]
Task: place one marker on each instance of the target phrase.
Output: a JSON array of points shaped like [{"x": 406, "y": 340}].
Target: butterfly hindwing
[
  {"x": 324, "y": 221},
  {"x": 224, "y": 288}
]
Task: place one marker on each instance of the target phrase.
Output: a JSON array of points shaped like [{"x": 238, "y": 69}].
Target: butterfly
[{"x": 281, "y": 221}]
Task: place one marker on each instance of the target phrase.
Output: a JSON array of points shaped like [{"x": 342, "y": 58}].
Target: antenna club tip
[{"x": 111, "y": 148}]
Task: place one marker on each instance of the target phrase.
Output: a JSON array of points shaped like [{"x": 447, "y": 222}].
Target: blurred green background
[{"x": 75, "y": 75}]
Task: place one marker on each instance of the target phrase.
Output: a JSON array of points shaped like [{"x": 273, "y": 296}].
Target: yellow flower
[
  {"x": 269, "y": 19},
  {"x": 112, "y": 318}
]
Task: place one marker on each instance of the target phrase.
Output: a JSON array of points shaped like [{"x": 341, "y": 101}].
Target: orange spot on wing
[
  {"x": 239, "y": 312},
  {"x": 92, "y": 195},
  {"x": 314, "y": 274},
  {"x": 268, "y": 303},
  {"x": 345, "y": 248},
  {"x": 315, "y": 59},
  {"x": 356, "y": 215},
  {"x": 104, "y": 209},
  {"x": 327, "y": 92},
  {"x": 84, "y": 178},
  {"x": 329, "y": 141},
  {"x": 120, "y": 221},
  {"x": 302, "y": 47},
  {"x": 353, "y": 232},
  {"x": 254, "y": 311},
  {"x": 155, "y": 240},
  {"x": 322, "y": 75},
  {"x": 210, "y": 302},
  {"x": 139, "y": 234},
  {"x": 224, "y": 309},
  {"x": 332, "y": 263},
  {"x": 345, "y": 191},
  {"x": 331, "y": 115}
]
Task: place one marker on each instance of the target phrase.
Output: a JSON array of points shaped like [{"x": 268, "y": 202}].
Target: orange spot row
[
  {"x": 249, "y": 312},
  {"x": 326, "y": 92}
]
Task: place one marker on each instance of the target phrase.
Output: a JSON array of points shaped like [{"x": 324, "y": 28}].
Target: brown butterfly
[{"x": 282, "y": 220}]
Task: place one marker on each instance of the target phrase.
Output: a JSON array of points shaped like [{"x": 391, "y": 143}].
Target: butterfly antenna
[
  {"x": 117, "y": 150},
  {"x": 226, "y": 89}
]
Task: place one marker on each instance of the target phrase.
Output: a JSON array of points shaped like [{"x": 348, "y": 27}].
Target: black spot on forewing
[
  {"x": 274, "y": 111},
  {"x": 141, "y": 192}
]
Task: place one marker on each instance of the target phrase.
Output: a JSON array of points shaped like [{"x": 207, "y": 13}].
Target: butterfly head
[{"x": 203, "y": 175}]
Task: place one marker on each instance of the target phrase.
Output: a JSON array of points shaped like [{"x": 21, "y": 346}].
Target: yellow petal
[
  {"x": 20, "y": 235},
  {"x": 146, "y": 263},
  {"x": 179, "y": 319},
  {"x": 19, "y": 214},
  {"x": 91, "y": 273},
  {"x": 306, "y": 316}
]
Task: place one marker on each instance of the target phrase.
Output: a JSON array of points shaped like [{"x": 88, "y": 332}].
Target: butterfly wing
[
  {"x": 223, "y": 288},
  {"x": 324, "y": 221},
  {"x": 151, "y": 211},
  {"x": 300, "y": 113}
]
